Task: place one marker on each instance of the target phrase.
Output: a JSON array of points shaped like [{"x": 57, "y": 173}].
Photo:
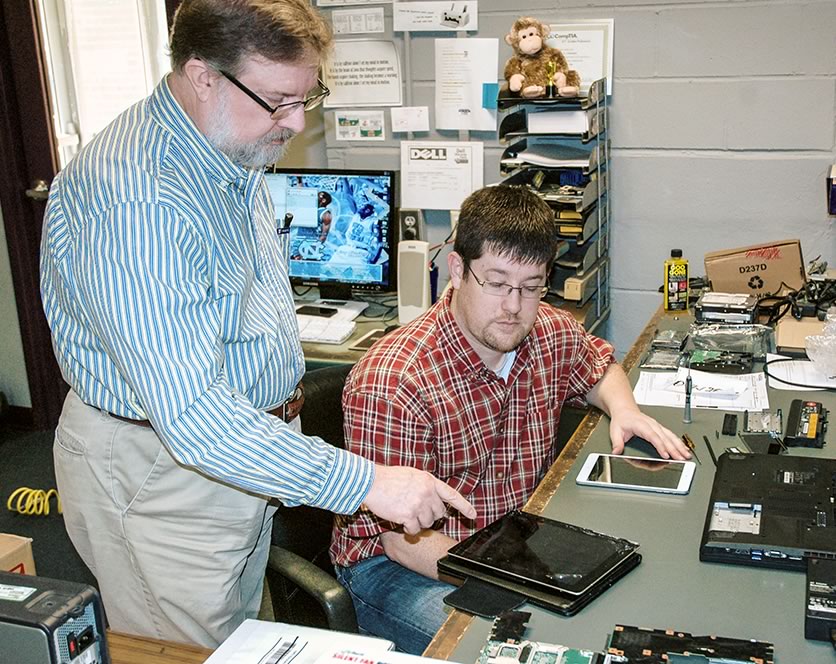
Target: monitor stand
[
  {"x": 338, "y": 292},
  {"x": 339, "y": 297}
]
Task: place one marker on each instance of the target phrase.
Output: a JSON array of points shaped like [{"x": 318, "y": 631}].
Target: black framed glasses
[
  {"x": 504, "y": 290},
  {"x": 314, "y": 98}
]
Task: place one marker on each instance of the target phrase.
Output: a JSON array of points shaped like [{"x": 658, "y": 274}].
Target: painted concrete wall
[
  {"x": 722, "y": 127},
  {"x": 722, "y": 122}
]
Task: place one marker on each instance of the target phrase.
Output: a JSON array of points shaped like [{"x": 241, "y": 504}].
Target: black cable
[
  {"x": 303, "y": 293},
  {"x": 443, "y": 244},
  {"x": 787, "y": 382}
]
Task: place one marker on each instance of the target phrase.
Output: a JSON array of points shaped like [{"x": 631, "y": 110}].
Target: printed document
[
  {"x": 438, "y": 175},
  {"x": 708, "y": 390},
  {"x": 462, "y": 66},
  {"x": 262, "y": 642}
]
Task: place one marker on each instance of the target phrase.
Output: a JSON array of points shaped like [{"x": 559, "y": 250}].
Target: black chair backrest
[{"x": 306, "y": 531}]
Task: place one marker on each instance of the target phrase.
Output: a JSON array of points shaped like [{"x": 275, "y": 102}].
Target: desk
[
  {"x": 323, "y": 355},
  {"x": 671, "y": 587},
  {"x": 128, "y": 649}
]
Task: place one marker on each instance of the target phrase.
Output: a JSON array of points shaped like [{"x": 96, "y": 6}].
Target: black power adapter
[{"x": 820, "y": 611}]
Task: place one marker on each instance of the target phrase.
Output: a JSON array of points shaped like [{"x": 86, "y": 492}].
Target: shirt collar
[{"x": 171, "y": 116}]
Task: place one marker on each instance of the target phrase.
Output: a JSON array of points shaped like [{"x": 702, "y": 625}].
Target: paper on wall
[
  {"x": 435, "y": 16},
  {"x": 461, "y": 67},
  {"x": 357, "y": 21},
  {"x": 587, "y": 46},
  {"x": 359, "y": 125},
  {"x": 438, "y": 175},
  {"x": 410, "y": 118},
  {"x": 363, "y": 72}
]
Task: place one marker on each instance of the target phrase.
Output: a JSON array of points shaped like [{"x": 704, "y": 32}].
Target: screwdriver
[{"x": 690, "y": 445}]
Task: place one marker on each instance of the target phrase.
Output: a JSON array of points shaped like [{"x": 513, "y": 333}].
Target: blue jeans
[{"x": 395, "y": 603}]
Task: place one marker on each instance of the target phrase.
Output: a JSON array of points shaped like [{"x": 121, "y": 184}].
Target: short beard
[
  {"x": 491, "y": 341},
  {"x": 258, "y": 154}
]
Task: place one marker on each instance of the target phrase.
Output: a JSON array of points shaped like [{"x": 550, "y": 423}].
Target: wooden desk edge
[
  {"x": 447, "y": 638},
  {"x": 130, "y": 649}
]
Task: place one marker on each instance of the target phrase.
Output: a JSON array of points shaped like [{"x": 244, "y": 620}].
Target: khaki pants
[{"x": 177, "y": 556}]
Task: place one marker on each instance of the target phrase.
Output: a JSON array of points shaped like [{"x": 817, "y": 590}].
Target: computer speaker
[
  {"x": 413, "y": 279},
  {"x": 411, "y": 224}
]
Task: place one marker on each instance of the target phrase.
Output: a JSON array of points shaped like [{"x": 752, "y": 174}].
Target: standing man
[
  {"x": 164, "y": 282},
  {"x": 472, "y": 392}
]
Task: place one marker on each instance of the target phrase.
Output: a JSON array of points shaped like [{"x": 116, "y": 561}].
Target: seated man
[{"x": 472, "y": 392}]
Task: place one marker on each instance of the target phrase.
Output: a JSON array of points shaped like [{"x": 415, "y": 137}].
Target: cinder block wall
[{"x": 722, "y": 124}]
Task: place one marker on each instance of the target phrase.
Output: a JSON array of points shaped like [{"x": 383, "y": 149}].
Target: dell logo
[{"x": 428, "y": 153}]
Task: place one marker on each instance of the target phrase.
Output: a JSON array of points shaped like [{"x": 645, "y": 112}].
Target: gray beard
[{"x": 257, "y": 154}]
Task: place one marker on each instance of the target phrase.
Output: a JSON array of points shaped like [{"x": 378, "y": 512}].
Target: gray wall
[
  {"x": 722, "y": 124},
  {"x": 722, "y": 121}
]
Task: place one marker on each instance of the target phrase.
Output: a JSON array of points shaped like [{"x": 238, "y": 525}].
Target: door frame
[{"x": 27, "y": 153}]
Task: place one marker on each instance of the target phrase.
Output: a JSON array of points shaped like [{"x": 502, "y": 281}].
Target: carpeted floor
[{"x": 26, "y": 460}]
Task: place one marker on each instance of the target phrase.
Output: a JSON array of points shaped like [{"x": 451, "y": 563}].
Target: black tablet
[{"x": 543, "y": 553}]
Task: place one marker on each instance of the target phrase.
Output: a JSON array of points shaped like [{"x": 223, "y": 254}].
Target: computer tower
[{"x": 48, "y": 621}]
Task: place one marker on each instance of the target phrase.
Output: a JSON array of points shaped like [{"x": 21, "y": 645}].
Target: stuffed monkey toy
[{"x": 533, "y": 62}]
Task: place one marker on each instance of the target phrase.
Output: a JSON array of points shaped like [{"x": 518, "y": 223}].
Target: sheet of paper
[
  {"x": 410, "y": 118},
  {"x": 437, "y": 175},
  {"x": 359, "y": 125},
  {"x": 346, "y": 656},
  {"x": 588, "y": 47},
  {"x": 259, "y": 641},
  {"x": 357, "y": 21},
  {"x": 435, "y": 16},
  {"x": 461, "y": 67},
  {"x": 803, "y": 372},
  {"x": 363, "y": 72},
  {"x": 709, "y": 390}
]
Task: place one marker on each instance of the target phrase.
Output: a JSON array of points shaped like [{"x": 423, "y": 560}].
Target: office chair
[{"x": 300, "y": 577}]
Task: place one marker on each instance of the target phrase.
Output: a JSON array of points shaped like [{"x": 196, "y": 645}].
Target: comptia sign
[{"x": 428, "y": 154}]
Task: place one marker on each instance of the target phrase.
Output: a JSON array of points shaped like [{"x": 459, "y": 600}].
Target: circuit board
[{"x": 628, "y": 645}]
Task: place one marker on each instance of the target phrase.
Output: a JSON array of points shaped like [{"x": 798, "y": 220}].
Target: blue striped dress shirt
[{"x": 165, "y": 285}]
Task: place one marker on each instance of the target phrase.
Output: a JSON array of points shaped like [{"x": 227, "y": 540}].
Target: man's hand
[
  {"x": 628, "y": 423},
  {"x": 413, "y": 498}
]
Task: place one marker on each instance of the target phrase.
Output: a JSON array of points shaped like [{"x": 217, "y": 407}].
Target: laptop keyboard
[{"x": 319, "y": 330}]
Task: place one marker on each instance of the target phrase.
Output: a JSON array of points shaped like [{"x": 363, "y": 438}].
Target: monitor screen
[{"x": 343, "y": 227}]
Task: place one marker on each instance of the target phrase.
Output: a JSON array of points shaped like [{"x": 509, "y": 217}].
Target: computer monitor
[{"x": 343, "y": 228}]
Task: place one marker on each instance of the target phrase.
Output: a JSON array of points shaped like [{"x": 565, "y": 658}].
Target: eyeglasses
[
  {"x": 504, "y": 290},
  {"x": 282, "y": 110}
]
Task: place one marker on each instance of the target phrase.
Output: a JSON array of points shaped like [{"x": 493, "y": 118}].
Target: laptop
[
  {"x": 771, "y": 511},
  {"x": 559, "y": 566}
]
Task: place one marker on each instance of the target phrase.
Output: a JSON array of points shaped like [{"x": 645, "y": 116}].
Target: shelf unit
[{"x": 559, "y": 148}]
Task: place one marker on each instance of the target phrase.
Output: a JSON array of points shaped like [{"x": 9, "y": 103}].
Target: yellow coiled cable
[{"x": 32, "y": 502}]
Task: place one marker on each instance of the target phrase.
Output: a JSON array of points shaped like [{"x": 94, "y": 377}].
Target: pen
[{"x": 710, "y": 449}]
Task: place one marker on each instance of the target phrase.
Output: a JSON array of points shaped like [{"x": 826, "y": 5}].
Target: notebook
[
  {"x": 771, "y": 511},
  {"x": 553, "y": 564}
]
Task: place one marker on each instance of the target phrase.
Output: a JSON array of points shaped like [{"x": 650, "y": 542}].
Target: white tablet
[{"x": 638, "y": 473}]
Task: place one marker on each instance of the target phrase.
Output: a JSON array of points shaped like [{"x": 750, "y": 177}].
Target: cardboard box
[
  {"x": 16, "y": 554},
  {"x": 760, "y": 269}
]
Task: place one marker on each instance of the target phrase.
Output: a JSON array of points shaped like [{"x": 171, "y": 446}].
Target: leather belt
[{"x": 287, "y": 411}]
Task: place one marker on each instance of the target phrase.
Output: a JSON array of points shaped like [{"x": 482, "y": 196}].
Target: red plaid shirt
[{"x": 422, "y": 397}]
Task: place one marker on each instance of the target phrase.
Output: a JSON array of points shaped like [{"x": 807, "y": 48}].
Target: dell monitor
[{"x": 342, "y": 228}]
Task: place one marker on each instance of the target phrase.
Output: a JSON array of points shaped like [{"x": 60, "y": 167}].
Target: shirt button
[{"x": 499, "y": 475}]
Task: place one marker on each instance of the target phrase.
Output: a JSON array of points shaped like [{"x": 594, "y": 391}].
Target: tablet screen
[{"x": 536, "y": 550}]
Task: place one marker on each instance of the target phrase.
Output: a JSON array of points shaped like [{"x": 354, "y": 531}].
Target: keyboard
[{"x": 319, "y": 330}]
